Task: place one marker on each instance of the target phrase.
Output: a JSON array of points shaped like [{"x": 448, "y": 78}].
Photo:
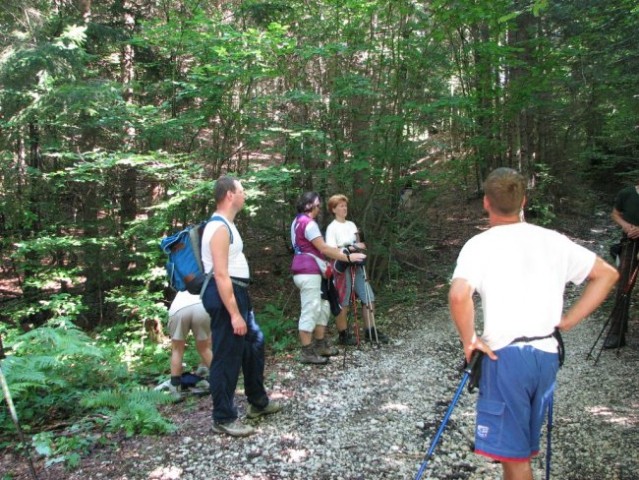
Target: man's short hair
[
  {"x": 505, "y": 189},
  {"x": 223, "y": 185},
  {"x": 306, "y": 201},
  {"x": 336, "y": 200}
]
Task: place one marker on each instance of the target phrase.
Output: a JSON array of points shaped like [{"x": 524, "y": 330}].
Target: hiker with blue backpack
[
  {"x": 520, "y": 271},
  {"x": 238, "y": 342}
]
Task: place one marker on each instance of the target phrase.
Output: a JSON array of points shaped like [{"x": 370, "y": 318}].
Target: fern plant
[
  {"x": 49, "y": 367},
  {"x": 133, "y": 410}
]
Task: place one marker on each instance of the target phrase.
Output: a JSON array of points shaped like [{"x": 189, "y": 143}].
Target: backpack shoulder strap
[{"x": 220, "y": 218}]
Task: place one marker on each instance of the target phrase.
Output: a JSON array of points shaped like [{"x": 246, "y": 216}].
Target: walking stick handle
[{"x": 474, "y": 358}]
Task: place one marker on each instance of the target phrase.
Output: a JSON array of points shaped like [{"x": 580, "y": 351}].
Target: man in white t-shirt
[{"x": 520, "y": 271}]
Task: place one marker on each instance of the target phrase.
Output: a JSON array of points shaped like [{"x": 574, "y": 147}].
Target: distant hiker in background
[
  {"x": 238, "y": 342},
  {"x": 626, "y": 214},
  {"x": 187, "y": 313},
  {"x": 520, "y": 271},
  {"x": 308, "y": 267},
  {"x": 342, "y": 233}
]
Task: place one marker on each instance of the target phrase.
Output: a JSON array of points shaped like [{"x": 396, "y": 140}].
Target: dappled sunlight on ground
[{"x": 627, "y": 416}]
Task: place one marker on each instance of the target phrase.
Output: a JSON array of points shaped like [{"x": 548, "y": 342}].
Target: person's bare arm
[
  {"x": 601, "y": 279},
  {"x": 462, "y": 311},
  {"x": 628, "y": 228},
  {"x": 336, "y": 253},
  {"x": 219, "y": 245}
]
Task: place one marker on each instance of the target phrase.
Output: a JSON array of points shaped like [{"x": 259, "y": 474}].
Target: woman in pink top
[{"x": 308, "y": 262}]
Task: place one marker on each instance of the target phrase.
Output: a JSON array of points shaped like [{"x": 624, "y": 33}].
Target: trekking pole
[
  {"x": 371, "y": 313},
  {"x": 549, "y": 438},
  {"x": 621, "y": 305},
  {"x": 615, "y": 307},
  {"x": 476, "y": 356},
  {"x": 12, "y": 410},
  {"x": 352, "y": 313}
]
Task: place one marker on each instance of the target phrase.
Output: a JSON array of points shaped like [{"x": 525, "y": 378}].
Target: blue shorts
[{"x": 514, "y": 393}]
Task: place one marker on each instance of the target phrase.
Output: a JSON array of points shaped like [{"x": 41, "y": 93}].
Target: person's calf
[{"x": 517, "y": 470}]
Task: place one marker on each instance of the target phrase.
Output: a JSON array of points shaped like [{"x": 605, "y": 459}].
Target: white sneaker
[
  {"x": 202, "y": 371},
  {"x": 164, "y": 385}
]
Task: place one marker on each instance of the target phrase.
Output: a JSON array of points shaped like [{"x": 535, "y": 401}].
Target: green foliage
[
  {"x": 139, "y": 359},
  {"x": 541, "y": 202},
  {"x": 279, "y": 330},
  {"x": 58, "y": 372},
  {"x": 132, "y": 409},
  {"x": 44, "y": 358},
  {"x": 67, "y": 448}
]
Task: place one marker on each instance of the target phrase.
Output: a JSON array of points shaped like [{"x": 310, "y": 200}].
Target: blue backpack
[{"x": 184, "y": 267}]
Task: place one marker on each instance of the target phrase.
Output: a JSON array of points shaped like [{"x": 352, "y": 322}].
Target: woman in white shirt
[{"x": 343, "y": 234}]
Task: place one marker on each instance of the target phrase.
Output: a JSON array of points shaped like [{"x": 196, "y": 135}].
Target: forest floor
[{"x": 370, "y": 414}]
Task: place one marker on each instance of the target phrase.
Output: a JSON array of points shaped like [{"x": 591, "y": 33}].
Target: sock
[{"x": 176, "y": 381}]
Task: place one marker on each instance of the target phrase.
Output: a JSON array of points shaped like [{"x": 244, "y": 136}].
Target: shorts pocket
[{"x": 490, "y": 416}]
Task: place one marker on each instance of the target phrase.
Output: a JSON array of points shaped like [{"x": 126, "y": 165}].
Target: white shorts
[
  {"x": 314, "y": 311},
  {"x": 192, "y": 318}
]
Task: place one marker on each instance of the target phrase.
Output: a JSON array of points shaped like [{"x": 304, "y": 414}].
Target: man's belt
[
  {"x": 241, "y": 282},
  {"x": 560, "y": 343}
]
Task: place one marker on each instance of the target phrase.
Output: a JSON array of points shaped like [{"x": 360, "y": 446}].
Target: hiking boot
[
  {"x": 614, "y": 340},
  {"x": 234, "y": 429},
  {"x": 346, "y": 338},
  {"x": 176, "y": 392},
  {"x": 202, "y": 371},
  {"x": 201, "y": 388},
  {"x": 309, "y": 355},
  {"x": 370, "y": 336},
  {"x": 325, "y": 349},
  {"x": 255, "y": 412}
]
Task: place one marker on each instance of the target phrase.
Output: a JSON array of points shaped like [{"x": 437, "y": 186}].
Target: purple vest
[{"x": 303, "y": 264}]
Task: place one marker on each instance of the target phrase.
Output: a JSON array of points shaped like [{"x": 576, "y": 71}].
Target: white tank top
[{"x": 238, "y": 266}]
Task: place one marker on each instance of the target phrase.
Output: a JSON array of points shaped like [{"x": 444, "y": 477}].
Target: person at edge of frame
[
  {"x": 625, "y": 214},
  {"x": 238, "y": 342},
  {"x": 310, "y": 251},
  {"x": 520, "y": 271},
  {"x": 343, "y": 233}
]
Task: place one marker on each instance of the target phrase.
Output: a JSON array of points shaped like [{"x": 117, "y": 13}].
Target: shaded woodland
[{"x": 116, "y": 118}]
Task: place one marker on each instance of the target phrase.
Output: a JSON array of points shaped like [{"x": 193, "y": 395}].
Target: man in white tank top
[{"x": 238, "y": 342}]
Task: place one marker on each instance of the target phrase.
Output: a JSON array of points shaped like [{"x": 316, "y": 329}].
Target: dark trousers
[
  {"x": 627, "y": 265},
  {"x": 232, "y": 352}
]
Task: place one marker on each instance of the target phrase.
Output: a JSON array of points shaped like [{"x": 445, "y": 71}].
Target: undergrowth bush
[
  {"x": 131, "y": 409},
  {"x": 279, "y": 331},
  {"x": 58, "y": 374}
]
